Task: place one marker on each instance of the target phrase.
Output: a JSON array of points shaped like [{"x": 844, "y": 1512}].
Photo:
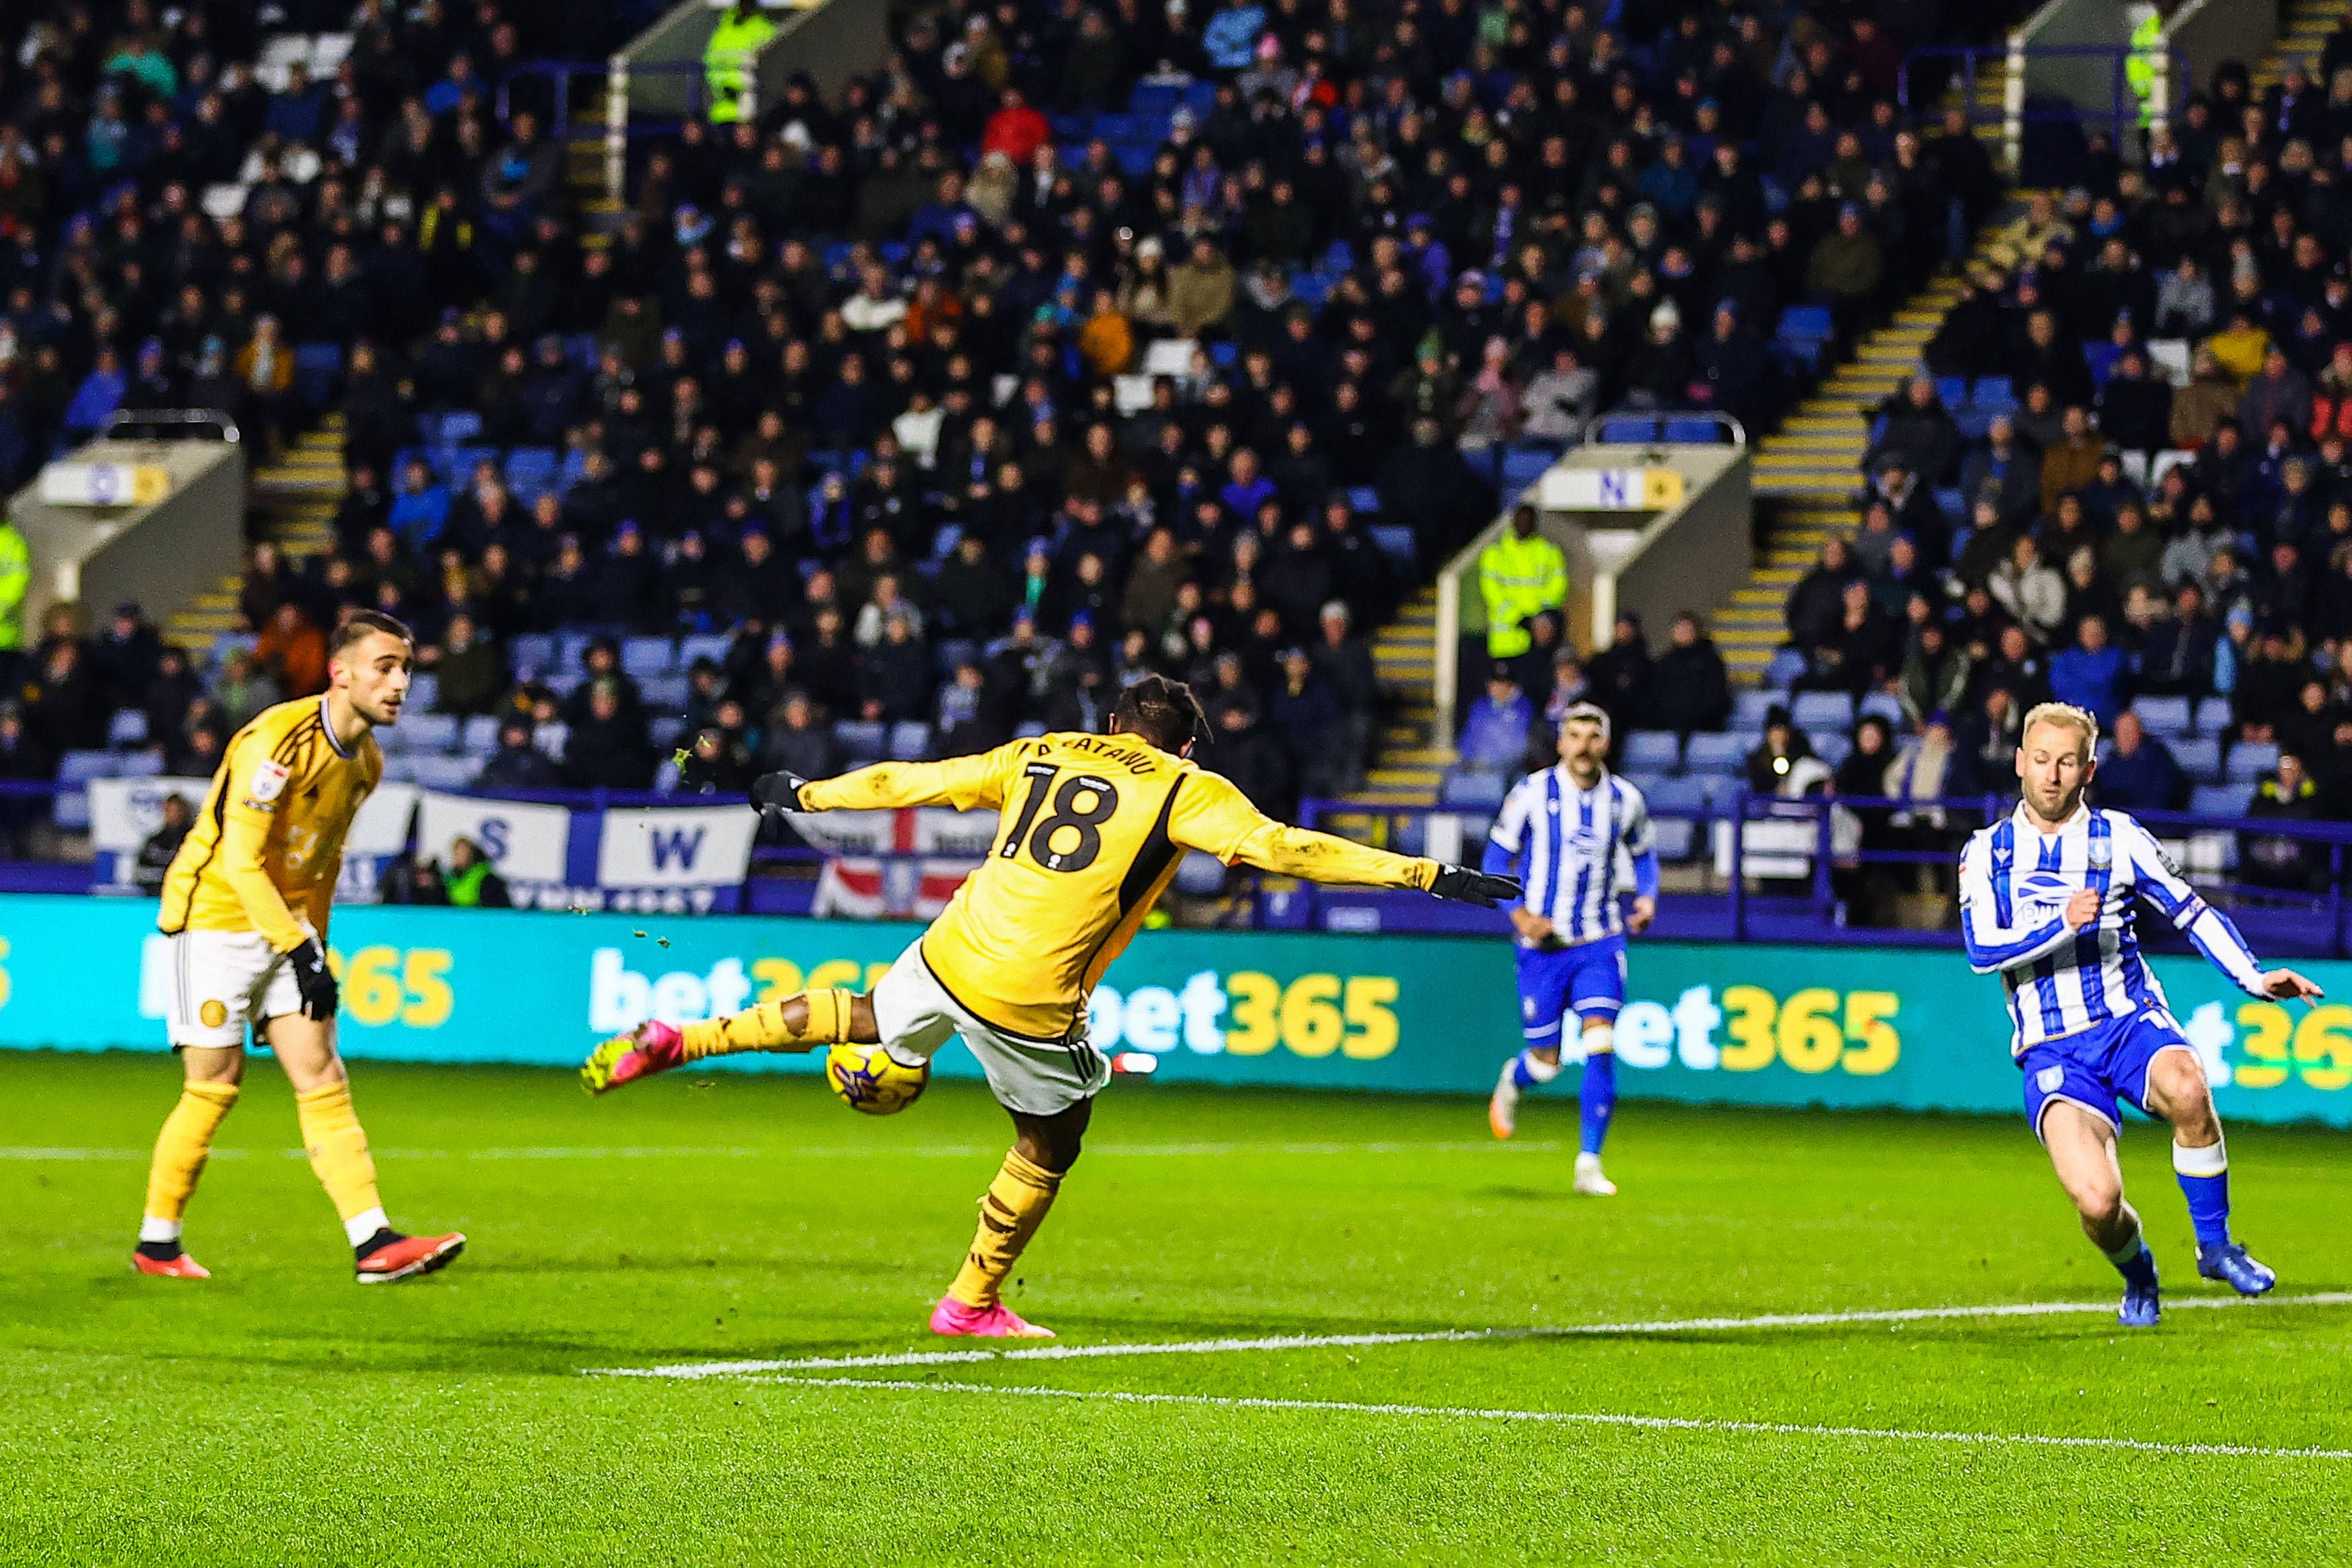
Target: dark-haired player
[
  {"x": 1090, "y": 829},
  {"x": 245, "y": 906}
]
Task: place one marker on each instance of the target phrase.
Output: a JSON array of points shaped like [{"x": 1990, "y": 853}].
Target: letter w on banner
[{"x": 676, "y": 857}]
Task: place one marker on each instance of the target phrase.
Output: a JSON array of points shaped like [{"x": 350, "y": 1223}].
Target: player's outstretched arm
[
  {"x": 962, "y": 782},
  {"x": 2213, "y": 932},
  {"x": 1211, "y": 814}
]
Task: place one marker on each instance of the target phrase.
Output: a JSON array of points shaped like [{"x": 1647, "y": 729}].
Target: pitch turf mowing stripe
[
  {"x": 690, "y": 1370},
  {"x": 1586, "y": 1418},
  {"x": 934, "y": 1150}
]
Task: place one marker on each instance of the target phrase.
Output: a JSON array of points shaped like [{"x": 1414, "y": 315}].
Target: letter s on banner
[{"x": 525, "y": 843}]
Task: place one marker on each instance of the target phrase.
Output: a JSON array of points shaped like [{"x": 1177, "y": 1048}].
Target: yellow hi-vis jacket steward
[
  {"x": 16, "y": 577},
  {"x": 1518, "y": 579},
  {"x": 727, "y": 62},
  {"x": 2139, "y": 65}
]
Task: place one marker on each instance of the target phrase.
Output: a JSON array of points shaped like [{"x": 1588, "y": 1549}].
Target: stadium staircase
[
  {"x": 2302, "y": 34},
  {"x": 1411, "y": 758},
  {"x": 292, "y": 501}
]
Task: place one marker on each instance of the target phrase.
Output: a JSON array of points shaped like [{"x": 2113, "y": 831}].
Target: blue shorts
[
  {"x": 2099, "y": 1066},
  {"x": 1587, "y": 980}
]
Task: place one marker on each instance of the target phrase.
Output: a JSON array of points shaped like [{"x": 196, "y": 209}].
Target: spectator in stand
[
  {"x": 1690, "y": 689},
  {"x": 1521, "y": 574},
  {"x": 519, "y": 765},
  {"x": 471, "y": 881},
  {"x": 1621, "y": 676},
  {"x": 1774, "y": 758},
  {"x": 2139, "y": 772},
  {"x": 2093, "y": 675},
  {"x": 1495, "y": 734},
  {"x": 2276, "y": 860},
  {"x": 155, "y": 854}
]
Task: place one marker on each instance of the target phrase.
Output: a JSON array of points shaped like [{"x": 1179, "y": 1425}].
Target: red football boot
[
  {"x": 650, "y": 1048},
  {"x": 388, "y": 1255},
  {"x": 178, "y": 1266}
]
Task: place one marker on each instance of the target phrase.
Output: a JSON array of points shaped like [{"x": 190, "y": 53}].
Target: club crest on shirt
[
  {"x": 1583, "y": 842},
  {"x": 269, "y": 781}
]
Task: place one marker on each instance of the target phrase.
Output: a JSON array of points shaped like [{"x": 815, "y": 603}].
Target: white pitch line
[
  {"x": 1584, "y": 1418},
  {"x": 688, "y": 1371},
  {"x": 919, "y": 1150}
]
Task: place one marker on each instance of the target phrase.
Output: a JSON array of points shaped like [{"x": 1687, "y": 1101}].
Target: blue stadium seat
[
  {"x": 1748, "y": 706},
  {"x": 1396, "y": 541},
  {"x": 127, "y": 727},
  {"x": 2219, "y": 799},
  {"x": 2250, "y": 759},
  {"x": 572, "y": 649},
  {"x": 424, "y": 690},
  {"x": 532, "y": 471},
  {"x": 582, "y": 350},
  {"x": 454, "y": 465},
  {"x": 451, "y": 429},
  {"x": 1786, "y": 667},
  {"x": 1688, "y": 795},
  {"x": 1822, "y": 710},
  {"x": 665, "y": 731},
  {"x": 646, "y": 658},
  {"x": 664, "y": 692},
  {"x": 669, "y": 776},
  {"x": 1832, "y": 746},
  {"x": 1028, "y": 729},
  {"x": 2212, "y": 715},
  {"x": 2166, "y": 717},
  {"x": 428, "y": 731},
  {"x": 399, "y": 768},
  {"x": 1656, "y": 751},
  {"x": 82, "y": 767},
  {"x": 1718, "y": 753},
  {"x": 141, "y": 764},
  {"x": 1886, "y": 706},
  {"x": 1694, "y": 432},
  {"x": 1953, "y": 391},
  {"x": 712, "y": 646},
  {"x": 445, "y": 772},
  {"x": 1630, "y": 431},
  {"x": 2199, "y": 756},
  {"x": 1523, "y": 465},
  {"x": 1806, "y": 323},
  {"x": 1364, "y": 498},
  {"x": 530, "y": 654},
  {"x": 861, "y": 740},
  {"x": 1992, "y": 394},
  {"x": 910, "y": 741},
  {"x": 1200, "y": 875},
  {"x": 480, "y": 735},
  {"x": 1673, "y": 838},
  {"x": 1473, "y": 787}
]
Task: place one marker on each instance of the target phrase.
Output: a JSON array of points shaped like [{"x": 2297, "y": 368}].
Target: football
[{"x": 869, "y": 1080}]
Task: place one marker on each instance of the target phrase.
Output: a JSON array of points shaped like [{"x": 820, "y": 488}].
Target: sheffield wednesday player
[
  {"x": 244, "y": 908},
  {"x": 1089, "y": 833},
  {"x": 2047, "y": 901},
  {"x": 1560, "y": 830}
]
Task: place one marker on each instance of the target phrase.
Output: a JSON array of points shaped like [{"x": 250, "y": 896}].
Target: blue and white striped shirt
[
  {"x": 2015, "y": 882},
  {"x": 1563, "y": 841}
]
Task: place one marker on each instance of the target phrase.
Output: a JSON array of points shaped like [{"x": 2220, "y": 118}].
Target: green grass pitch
[{"x": 281, "y": 1413}]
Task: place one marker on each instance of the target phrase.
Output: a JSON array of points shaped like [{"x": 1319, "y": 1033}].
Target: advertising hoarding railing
[{"x": 1748, "y": 1024}]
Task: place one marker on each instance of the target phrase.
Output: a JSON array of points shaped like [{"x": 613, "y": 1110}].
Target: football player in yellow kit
[
  {"x": 1089, "y": 831},
  {"x": 245, "y": 905}
]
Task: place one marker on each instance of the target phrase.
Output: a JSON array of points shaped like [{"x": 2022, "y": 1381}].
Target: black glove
[
  {"x": 1463, "y": 885},
  {"x": 316, "y": 981},
  {"x": 777, "y": 792}
]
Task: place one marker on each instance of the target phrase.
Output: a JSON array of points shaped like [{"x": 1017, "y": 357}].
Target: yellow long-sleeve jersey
[
  {"x": 1091, "y": 828},
  {"x": 269, "y": 840}
]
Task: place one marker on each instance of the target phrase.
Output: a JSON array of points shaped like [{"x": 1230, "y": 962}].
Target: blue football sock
[
  {"x": 2133, "y": 1260},
  {"x": 1527, "y": 1069},
  {"x": 2204, "y": 1175},
  {"x": 1597, "y": 1099}
]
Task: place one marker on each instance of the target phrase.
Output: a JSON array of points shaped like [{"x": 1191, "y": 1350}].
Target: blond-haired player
[
  {"x": 1090, "y": 829},
  {"x": 2047, "y": 898},
  {"x": 244, "y": 905}
]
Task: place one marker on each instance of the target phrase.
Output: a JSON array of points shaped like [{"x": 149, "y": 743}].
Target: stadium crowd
[{"x": 843, "y": 382}]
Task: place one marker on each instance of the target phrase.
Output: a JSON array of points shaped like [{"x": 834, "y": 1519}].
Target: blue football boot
[
  {"x": 2142, "y": 1300},
  {"x": 2226, "y": 1261}
]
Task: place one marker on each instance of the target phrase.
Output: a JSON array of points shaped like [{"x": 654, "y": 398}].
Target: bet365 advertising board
[{"x": 1731, "y": 1024}]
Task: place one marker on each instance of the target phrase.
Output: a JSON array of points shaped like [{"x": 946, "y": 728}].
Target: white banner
[
  {"x": 523, "y": 843},
  {"x": 683, "y": 846},
  {"x": 124, "y": 813}
]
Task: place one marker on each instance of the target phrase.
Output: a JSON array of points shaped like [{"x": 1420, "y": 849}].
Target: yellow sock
[
  {"x": 183, "y": 1146},
  {"x": 763, "y": 1029},
  {"x": 1014, "y": 1206},
  {"x": 339, "y": 1151}
]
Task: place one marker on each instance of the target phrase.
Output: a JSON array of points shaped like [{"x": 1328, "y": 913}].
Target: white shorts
[
  {"x": 224, "y": 981},
  {"x": 916, "y": 1016}
]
